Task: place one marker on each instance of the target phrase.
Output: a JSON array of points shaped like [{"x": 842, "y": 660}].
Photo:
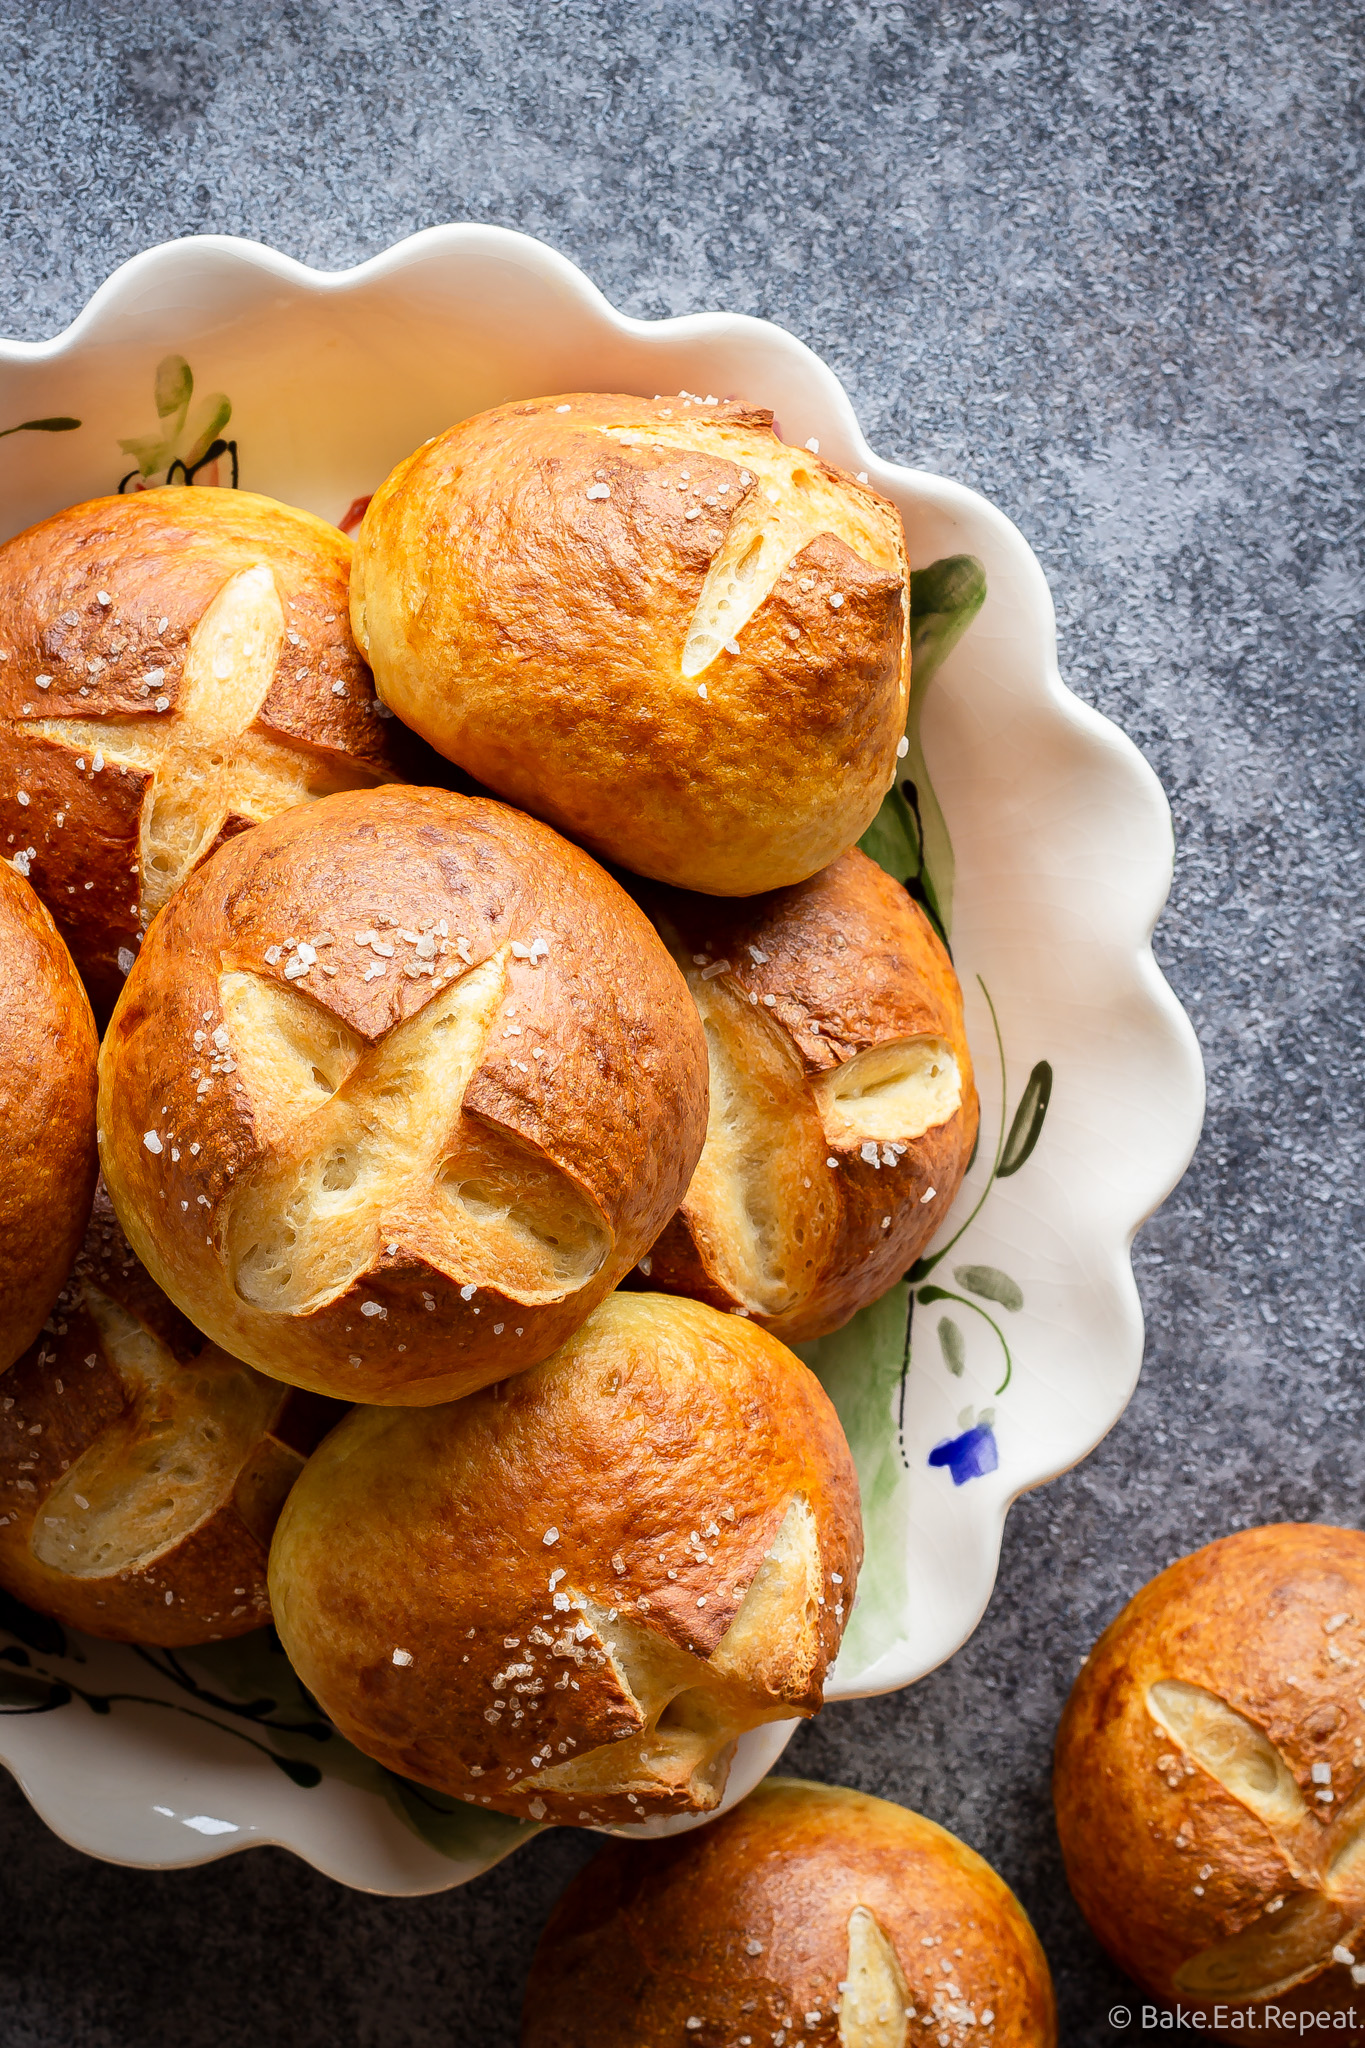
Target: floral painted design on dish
[
  {"x": 910, "y": 839},
  {"x": 186, "y": 446},
  {"x": 246, "y": 1691}
]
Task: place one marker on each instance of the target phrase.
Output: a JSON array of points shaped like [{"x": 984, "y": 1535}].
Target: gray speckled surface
[{"x": 1102, "y": 261}]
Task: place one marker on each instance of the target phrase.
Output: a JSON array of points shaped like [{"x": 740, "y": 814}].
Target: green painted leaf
[
  {"x": 58, "y": 424},
  {"x": 892, "y": 839},
  {"x": 860, "y": 1369},
  {"x": 454, "y": 1827},
  {"x": 952, "y": 1344},
  {"x": 944, "y": 599},
  {"x": 305, "y": 1774},
  {"x": 211, "y": 415},
  {"x": 928, "y": 1294},
  {"x": 174, "y": 385},
  {"x": 151, "y": 452},
  {"x": 1027, "y": 1127},
  {"x": 991, "y": 1284},
  {"x": 24, "y": 1692}
]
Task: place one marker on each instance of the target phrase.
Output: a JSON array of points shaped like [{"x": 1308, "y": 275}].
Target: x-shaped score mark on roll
[
  {"x": 370, "y": 1146},
  {"x": 1326, "y": 1865},
  {"x": 206, "y": 764},
  {"x": 788, "y": 505}
]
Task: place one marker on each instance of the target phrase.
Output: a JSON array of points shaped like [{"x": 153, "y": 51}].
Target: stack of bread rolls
[{"x": 398, "y": 1085}]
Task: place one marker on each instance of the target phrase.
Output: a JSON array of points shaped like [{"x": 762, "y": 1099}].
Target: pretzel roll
[
  {"x": 400, "y": 1086},
  {"x": 652, "y": 623},
  {"x": 47, "y": 1114},
  {"x": 141, "y": 1468},
  {"x": 1210, "y": 1783},
  {"x": 178, "y": 665},
  {"x": 567, "y": 1596},
  {"x": 808, "y": 1912},
  {"x": 843, "y": 1111}
]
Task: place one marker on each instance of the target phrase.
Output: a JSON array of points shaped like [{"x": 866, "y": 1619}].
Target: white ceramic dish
[{"x": 1050, "y": 836}]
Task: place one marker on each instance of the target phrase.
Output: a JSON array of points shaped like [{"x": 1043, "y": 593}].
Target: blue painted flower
[{"x": 969, "y": 1456}]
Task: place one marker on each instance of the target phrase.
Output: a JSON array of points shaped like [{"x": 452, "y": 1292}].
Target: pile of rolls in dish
[{"x": 505, "y": 1054}]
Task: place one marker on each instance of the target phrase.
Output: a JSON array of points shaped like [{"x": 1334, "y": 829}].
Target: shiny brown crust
[
  {"x": 525, "y": 585},
  {"x": 828, "y": 969},
  {"x": 160, "y": 557},
  {"x": 66, "y": 1398},
  {"x": 642, "y": 1474},
  {"x": 589, "y": 1079},
  {"x": 741, "y": 1929},
  {"x": 1171, "y": 1862},
  {"x": 47, "y": 1114}
]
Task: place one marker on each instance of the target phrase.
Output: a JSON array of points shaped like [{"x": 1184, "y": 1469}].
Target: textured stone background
[{"x": 1102, "y": 261}]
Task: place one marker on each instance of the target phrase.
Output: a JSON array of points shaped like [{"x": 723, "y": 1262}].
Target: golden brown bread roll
[
  {"x": 808, "y": 1913},
  {"x": 177, "y": 665},
  {"x": 652, "y": 623},
  {"x": 141, "y": 1468},
  {"x": 566, "y": 1596},
  {"x": 843, "y": 1110},
  {"x": 48, "y": 1161},
  {"x": 400, "y": 1086},
  {"x": 1210, "y": 1781}
]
